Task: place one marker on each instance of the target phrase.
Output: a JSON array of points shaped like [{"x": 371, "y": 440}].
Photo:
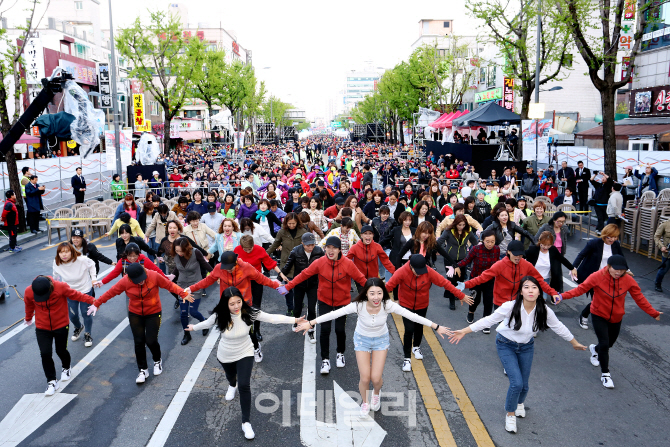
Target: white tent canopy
[{"x": 222, "y": 119}]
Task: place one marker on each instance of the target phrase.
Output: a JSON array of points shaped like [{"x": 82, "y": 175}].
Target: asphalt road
[{"x": 566, "y": 405}]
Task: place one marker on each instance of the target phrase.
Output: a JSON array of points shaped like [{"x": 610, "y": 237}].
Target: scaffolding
[
  {"x": 375, "y": 132},
  {"x": 265, "y": 133},
  {"x": 358, "y": 131}
]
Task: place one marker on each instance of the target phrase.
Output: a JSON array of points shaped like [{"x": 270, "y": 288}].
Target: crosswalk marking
[{"x": 430, "y": 400}]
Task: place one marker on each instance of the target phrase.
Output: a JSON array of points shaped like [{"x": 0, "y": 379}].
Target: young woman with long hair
[
  {"x": 371, "y": 336},
  {"x": 234, "y": 317},
  {"x": 515, "y": 341},
  {"x": 260, "y": 234},
  {"x": 456, "y": 239},
  {"x": 548, "y": 261},
  {"x": 127, "y": 206},
  {"x": 424, "y": 243},
  {"x": 88, "y": 249},
  {"x": 316, "y": 215},
  {"x": 506, "y": 230},
  {"x": 79, "y": 273},
  {"x": 227, "y": 239}
]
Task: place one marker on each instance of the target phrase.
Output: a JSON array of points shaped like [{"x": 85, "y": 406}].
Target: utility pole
[{"x": 115, "y": 97}]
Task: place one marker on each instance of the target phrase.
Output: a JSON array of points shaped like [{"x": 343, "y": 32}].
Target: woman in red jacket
[
  {"x": 335, "y": 275},
  {"x": 367, "y": 254},
  {"x": 47, "y": 300},
  {"x": 414, "y": 280},
  {"x": 144, "y": 312},
  {"x": 610, "y": 286}
]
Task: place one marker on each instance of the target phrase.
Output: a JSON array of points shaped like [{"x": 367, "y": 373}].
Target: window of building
[
  {"x": 79, "y": 5},
  {"x": 191, "y": 113},
  {"x": 154, "y": 107},
  {"x": 446, "y": 24},
  {"x": 657, "y": 32}
]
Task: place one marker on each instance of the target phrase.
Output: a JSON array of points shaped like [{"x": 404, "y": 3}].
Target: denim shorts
[{"x": 369, "y": 344}]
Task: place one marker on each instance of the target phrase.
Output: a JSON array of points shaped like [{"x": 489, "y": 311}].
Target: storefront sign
[
  {"x": 33, "y": 55},
  {"x": 82, "y": 74},
  {"x": 629, "y": 10},
  {"x": 174, "y": 130},
  {"x": 136, "y": 86},
  {"x": 508, "y": 94},
  {"x": 625, "y": 66},
  {"x": 236, "y": 48},
  {"x": 489, "y": 95},
  {"x": 653, "y": 101},
  {"x": 146, "y": 127},
  {"x": 138, "y": 106},
  {"x": 105, "y": 85}
]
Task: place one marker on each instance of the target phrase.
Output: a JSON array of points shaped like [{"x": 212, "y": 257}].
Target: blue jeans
[
  {"x": 77, "y": 306},
  {"x": 517, "y": 359},
  {"x": 152, "y": 243},
  {"x": 383, "y": 271},
  {"x": 662, "y": 270},
  {"x": 190, "y": 309}
]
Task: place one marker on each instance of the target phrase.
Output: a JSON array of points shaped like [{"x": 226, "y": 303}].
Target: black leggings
[
  {"x": 453, "y": 280},
  {"x": 298, "y": 298},
  {"x": 587, "y": 310},
  {"x": 145, "y": 332},
  {"x": 241, "y": 370},
  {"x": 257, "y": 300},
  {"x": 413, "y": 331},
  {"x": 607, "y": 334},
  {"x": 324, "y": 338},
  {"x": 45, "y": 341},
  {"x": 485, "y": 294}
]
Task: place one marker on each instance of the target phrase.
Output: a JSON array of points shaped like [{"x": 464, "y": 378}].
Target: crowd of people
[{"x": 331, "y": 217}]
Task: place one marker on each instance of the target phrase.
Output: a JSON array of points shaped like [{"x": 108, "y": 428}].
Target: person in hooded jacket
[
  {"x": 414, "y": 280},
  {"x": 47, "y": 301},
  {"x": 125, "y": 238},
  {"x": 335, "y": 274},
  {"x": 247, "y": 208},
  {"x": 610, "y": 286},
  {"x": 367, "y": 254}
]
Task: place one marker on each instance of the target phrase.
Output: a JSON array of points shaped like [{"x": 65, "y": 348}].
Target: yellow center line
[
  {"x": 471, "y": 416},
  {"x": 430, "y": 400},
  {"x": 94, "y": 240}
]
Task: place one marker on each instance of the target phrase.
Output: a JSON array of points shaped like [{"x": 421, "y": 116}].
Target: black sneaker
[
  {"x": 259, "y": 336},
  {"x": 659, "y": 288},
  {"x": 452, "y": 305},
  {"x": 289, "y": 313},
  {"x": 205, "y": 332},
  {"x": 470, "y": 318},
  {"x": 176, "y": 304},
  {"x": 486, "y": 330},
  {"x": 77, "y": 333}
]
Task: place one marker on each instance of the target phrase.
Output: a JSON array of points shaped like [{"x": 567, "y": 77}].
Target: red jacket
[
  {"x": 609, "y": 295},
  {"x": 508, "y": 278},
  {"x": 52, "y": 314},
  {"x": 120, "y": 268},
  {"x": 331, "y": 212},
  {"x": 258, "y": 257},
  {"x": 414, "y": 291},
  {"x": 334, "y": 279},
  {"x": 142, "y": 299},
  {"x": 241, "y": 278},
  {"x": 8, "y": 211},
  {"x": 366, "y": 258}
]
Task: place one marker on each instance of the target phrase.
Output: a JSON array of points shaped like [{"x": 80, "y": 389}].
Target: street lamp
[
  {"x": 536, "y": 112},
  {"x": 553, "y": 89}
]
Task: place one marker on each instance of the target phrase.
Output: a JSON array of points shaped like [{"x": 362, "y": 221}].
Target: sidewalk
[{"x": 29, "y": 237}]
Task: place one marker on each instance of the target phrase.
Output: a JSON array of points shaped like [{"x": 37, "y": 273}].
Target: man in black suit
[
  {"x": 78, "y": 187},
  {"x": 567, "y": 174},
  {"x": 582, "y": 177}
]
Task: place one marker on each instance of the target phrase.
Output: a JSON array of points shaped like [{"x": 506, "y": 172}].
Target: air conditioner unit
[{"x": 52, "y": 23}]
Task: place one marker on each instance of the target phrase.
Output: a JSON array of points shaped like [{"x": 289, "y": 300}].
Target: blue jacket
[
  {"x": 33, "y": 198},
  {"x": 652, "y": 181},
  {"x": 217, "y": 246}
]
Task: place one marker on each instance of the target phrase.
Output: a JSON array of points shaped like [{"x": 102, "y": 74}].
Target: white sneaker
[
  {"x": 606, "y": 379},
  {"x": 376, "y": 402},
  {"x": 312, "y": 336},
  {"x": 158, "y": 367},
  {"x": 504, "y": 371},
  {"x": 142, "y": 376},
  {"x": 88, "y": 341},
  {"x": 407, "y": 365},
  {"x": 520, "y": 411},
  {"x": 417, "y": 353},
  {"x": 65, "y": 375},
  {"x": 365, "y": 409},
  {"x": 77, "y": 333},
  {"x": 248, "y": 431},
  {"x": 510, "y": 424},
  {"x": 340, "y": 361},
  {"x": 230, "y": 394},
  {"x": 325, "y": 366},
  {"x": 52, "y": 387},
  {"x": 258, "y": 355},
  {"x": 583, "y": 322},
  {"x": 594, "y": 355}
]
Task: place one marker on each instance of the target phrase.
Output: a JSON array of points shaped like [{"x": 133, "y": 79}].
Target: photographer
[{"x": 662, "y": 239}]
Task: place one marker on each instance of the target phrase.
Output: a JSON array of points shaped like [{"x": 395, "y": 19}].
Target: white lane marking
[
  {"x": 33, "y": 410},
  {"x": 14, "y": 331},
  {"x": 569, "y": 282},
  {"x": 162, "y": 432},
  {"x": 350, "y": 429}
]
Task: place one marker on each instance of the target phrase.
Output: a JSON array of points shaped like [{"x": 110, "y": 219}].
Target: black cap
[
  {"x": 516, "y": 248},
  {"x": 367, "y": 228},
  {"x": 41, "y": 289},
  {"x": 418, "y": 263},
  {"x": 77, "y": 232},
  {"x": 334, "y": 241},
  {"x": 453, "y": 186},
  {"x": 136, "y": 273},
  {"x": 228, "y": 260},
  {"x": 339, "y": 201},
  {"x": 489, "y": 183},
  {"x": 211, "y": 206},
  {"x": 321, "y": 183},
  {"x": 617, "y": 262}
]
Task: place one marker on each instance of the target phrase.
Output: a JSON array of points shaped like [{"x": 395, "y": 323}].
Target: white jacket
[{"x": 79, "y": 274}]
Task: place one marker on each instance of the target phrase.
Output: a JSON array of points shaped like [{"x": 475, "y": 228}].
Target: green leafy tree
[
  {"x": 427, "y": 74},
  {"x": 274, "y": 109},
  {"x": 512, "y": 27},
  {"x": 460, "y": 72},
  {"x": 12, "y": 86},
  {"x": 596, "y": 33},
  {"x": 253, "y": 104},
  {"x": 163, "y": 59},
  {"x": 207, "y": 83},
  {"x": 239, "y": 83}
]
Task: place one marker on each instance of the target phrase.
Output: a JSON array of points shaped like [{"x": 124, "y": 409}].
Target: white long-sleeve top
[
  {"x": 373, "y": 325},
  {"x": 525, "y": 333},
  {"x": 235, "y": 343},
  {"x": 79, "y": 274}
]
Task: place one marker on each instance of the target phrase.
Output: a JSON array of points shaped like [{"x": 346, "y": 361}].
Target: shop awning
[
  {"x": 26, "y": 139},
  {"x": 626, "y": 130},
  {"x": 192, "y": 135}
]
